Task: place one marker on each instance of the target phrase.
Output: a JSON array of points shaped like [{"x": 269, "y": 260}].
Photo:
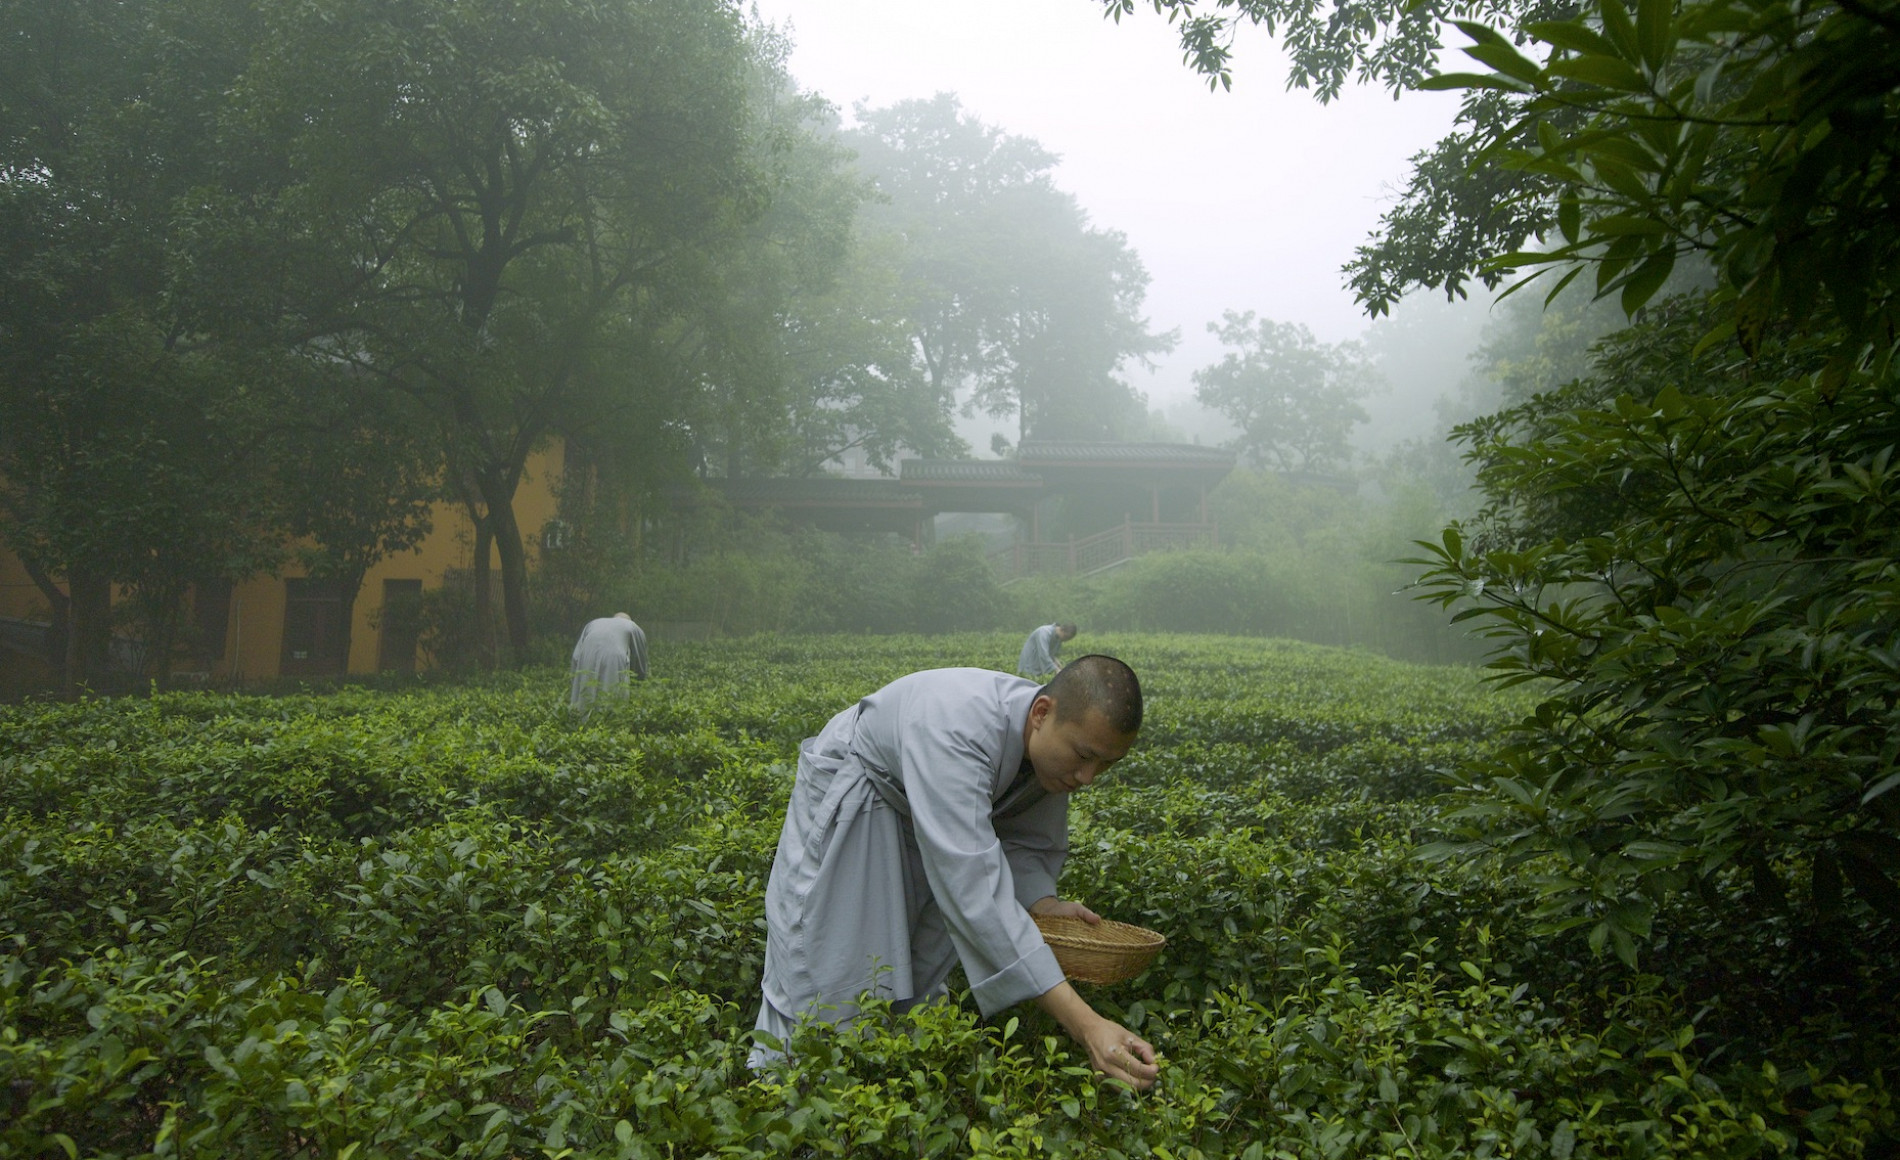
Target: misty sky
[{"x": 1250, "y": 199}]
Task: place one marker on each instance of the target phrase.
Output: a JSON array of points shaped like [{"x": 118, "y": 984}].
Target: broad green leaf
[
  {"x": 1573, "y": 36},
  {"x": 1620, "y": 29},
  {"x": 1625, "y": 151},
  {"x": 1705, "y": 81},
  {"x": 1548, "y": 139},
  {"x": 1619, "y": 225},
  {"x": 1506, "y": 59},
  {"x": 1563, "y": 282},
  {"x": 1655, "y": 31},
  {"x": 1448, "y": 81},
  {"x": 1602, "y": 72},
  {"x": 1883, "y": 786},
  {"x": 1647, "y": 279},
  {"x": 1623, "y": 180},
  {"x": 1482, "y": 33},
  {"x": 1625, "y": 946}
]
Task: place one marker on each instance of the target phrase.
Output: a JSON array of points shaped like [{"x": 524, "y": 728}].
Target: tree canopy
[
  {"x": 1013, "y": 297},
  {"x": 1295, "y": 399},
  {"x": 279, "y": 275},
  {"x": 1687, "y": 544}
]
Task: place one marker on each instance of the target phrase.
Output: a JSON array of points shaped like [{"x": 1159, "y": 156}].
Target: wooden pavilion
[{"x": 1125, "y": 499}]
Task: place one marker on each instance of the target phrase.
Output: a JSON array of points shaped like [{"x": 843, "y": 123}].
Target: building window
[{"x": 315, "y": 637}]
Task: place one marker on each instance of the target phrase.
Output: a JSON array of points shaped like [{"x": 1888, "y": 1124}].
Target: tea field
[{"x": 450, "y": 921}]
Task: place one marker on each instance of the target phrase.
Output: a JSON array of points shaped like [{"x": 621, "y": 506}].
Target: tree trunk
[
  {"x": 498, "y": 493},
  {"x": 349, "y": 586},
  {"x": 60, "y": 631},
  {"x": 89, "y": 642},
  {"x": 161, "y": 635},
  {"x": 479, "y": 589}
]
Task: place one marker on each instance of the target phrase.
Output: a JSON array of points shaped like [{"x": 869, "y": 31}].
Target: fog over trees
[
  {"x": 279, "y": 275},
  {"x": 284, "y": 284},
  {"x": 1019, "y": 307}
]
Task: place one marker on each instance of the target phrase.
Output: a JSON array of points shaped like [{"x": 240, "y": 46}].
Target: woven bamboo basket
[{"x": 1105, "y": 952}]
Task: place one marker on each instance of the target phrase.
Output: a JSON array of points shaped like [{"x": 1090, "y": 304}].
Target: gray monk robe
[
  {"x": 1040, "y": 651},
  {"x": 916, "y": 836},
  {"x": 608, "y": 648}
]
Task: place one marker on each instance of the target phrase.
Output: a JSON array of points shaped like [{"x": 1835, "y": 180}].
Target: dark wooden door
[
  {"x": 401, "y": 620},
  {"x": 313, "y": 629}
]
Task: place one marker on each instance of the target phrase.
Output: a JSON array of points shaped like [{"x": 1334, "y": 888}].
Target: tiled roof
[
  {"x": 1065, "y": 454},
  {"x": 820, "y": 491},
  {"x": 1026, "y": 473},
  {"x": 980, "y": 471}
]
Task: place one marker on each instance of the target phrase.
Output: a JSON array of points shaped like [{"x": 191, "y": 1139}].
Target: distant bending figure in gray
[
  {"x": 609, "y": 648},
  {"x": 1042, "y": 651},
  {"x": 927, "y": 823}
]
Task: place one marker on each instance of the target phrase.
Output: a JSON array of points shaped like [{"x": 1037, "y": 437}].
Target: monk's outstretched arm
[{"x": 1115, "y": 1051}]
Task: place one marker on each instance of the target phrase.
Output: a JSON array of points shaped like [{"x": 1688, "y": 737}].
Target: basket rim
[{"x": 1075, "y": 933}]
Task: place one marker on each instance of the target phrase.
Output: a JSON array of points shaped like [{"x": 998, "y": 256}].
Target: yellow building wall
[
  {"x": 19, "y": 596},
  {"x": 257, "y": 606},
  {"x": 254, "y": 630}
]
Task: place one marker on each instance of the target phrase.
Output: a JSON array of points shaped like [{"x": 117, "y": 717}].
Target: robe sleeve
[
  {"x": 947, "y": 776},
  {"x": 637, "y": 650},
  {"x": 1036, "y": 843}
]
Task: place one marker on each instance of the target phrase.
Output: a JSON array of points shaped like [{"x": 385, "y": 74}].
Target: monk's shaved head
[{"x": 1101, "y": 684}]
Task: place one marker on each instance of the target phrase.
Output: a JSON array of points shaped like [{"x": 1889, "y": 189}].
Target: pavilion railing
[{"x": 1099, "y": 552}]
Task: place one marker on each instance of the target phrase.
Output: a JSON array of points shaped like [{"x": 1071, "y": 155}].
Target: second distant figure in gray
[
  {"x": 1041, "y": 650},
  {"x": 609, "y": 649}
]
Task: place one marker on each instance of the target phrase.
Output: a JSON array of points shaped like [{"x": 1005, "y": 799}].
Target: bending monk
[
  {"x": 927, "y": 823},
  {"x": 609, "y": 650}
]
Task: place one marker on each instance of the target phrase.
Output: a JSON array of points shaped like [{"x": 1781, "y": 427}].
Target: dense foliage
[
  {"x": 1714, "y": 599},
  {"x": 1693, "y": 542},
  {"x": 1294, "y": 398},
  {"x": 1694, "y": 539},
  {"x": 451, "y": 921},
  {"x": 1017, "y": 303},
  {"x": 1316, "y": 563},
  {"x": 279, "y": 274}
]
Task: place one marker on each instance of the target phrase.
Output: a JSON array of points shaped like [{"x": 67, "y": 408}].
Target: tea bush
[{"x": 452, "y": 921}]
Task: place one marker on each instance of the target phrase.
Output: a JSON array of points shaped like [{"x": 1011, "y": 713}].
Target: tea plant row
[{"x": 452, "y": 921}]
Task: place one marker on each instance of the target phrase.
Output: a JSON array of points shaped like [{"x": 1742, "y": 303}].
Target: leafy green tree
[
  {"x": 1013, "y": 297},
  {"x": 1393, "y": 42},
  {"x": 806, "y": 343},
  {"x": 131, "y": 465},
  {"x": 1705, "y": 576},
  {"x": 1688, "y": 545},
  {"x": 1685, "y": 540},
  {"x": 1294, "y": 398},
  {"x": 856, "y": 381},
  {"x": 130, "y": 452},
  {"x": 495, "y": 187},
  {"x": 1752, "y": 133}
]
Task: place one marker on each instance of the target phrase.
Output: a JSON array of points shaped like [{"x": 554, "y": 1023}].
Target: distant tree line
[{"x": 276, "y": 277}]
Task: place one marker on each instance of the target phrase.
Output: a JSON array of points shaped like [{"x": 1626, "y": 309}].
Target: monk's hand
[
  {"x": 1121, "y": 1055},
  {"x": 1053, "y": 907},
  {"x": 1114, "y": 1051}
]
